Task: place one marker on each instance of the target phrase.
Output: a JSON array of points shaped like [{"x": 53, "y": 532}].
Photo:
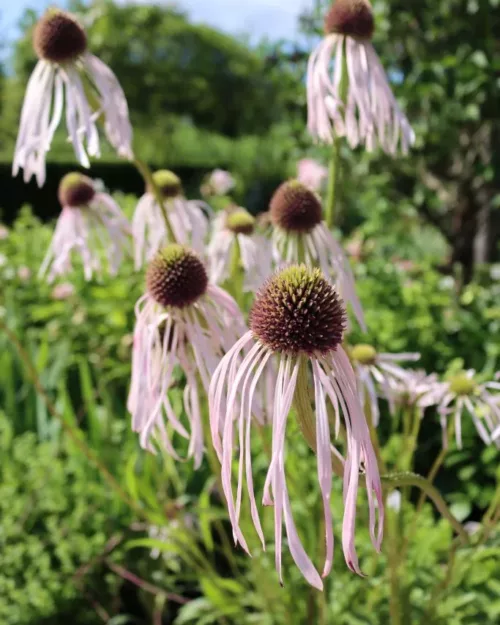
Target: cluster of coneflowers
[{"x": 292, "y": 354}]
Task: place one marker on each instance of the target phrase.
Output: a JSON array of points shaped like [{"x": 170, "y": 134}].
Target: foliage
[{"x": 56, "y": 517}]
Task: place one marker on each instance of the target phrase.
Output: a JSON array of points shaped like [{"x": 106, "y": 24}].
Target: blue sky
[{"x": 259, "y": 18}]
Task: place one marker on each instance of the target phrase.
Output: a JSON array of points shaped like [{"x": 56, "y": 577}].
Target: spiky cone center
[
  {"x": 58, "y": 37},
  {"x": 240, "y": 221},
  {"x": 353, "y": 18},
  {"x": 297, "y": 312},
  {"x": 168, "y": 183},
  {"x": 363, "y": 354},
  {"x": 176, "y": 277},
  {"x": 462, "y": 384},
  {"x": 295, "y": 208},
  {"x": 76, "y": 190}
]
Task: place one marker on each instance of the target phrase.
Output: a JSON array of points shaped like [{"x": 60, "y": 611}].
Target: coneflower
[
  {"x": 91, "y": 225},
  {"x": 188, "y": 219},
  {"x": 219, "y": 182},
  {"x": 183, "y": 322},
  {"x": 463, "y": 393},
  {"x": 235, "y": 237},
  {"x": 312, "y": 174},
  {"x": 348, "y": 94},
  {"x": 60, "y": 80},
  {"x": 298, "y": 320},
  {"x": 376, "y": 373},
  {"x": 301, "y": 236}
]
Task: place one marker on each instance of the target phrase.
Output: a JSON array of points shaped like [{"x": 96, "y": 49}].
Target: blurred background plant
[{"x": 422, "y": 234}]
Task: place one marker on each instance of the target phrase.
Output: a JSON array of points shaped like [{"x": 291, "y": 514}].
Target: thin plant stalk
[
  {"x": 334, "y": 166},
  {"x": 149, "y": 180}
]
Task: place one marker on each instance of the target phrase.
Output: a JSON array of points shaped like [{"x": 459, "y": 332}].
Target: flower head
[
  {"x": 378, "y": 374},
  {"x": 415, "y": 388},
  {"x": 4, "y": 233},
  {"x": 298, "y": 319},
  {"x": 60, "y": 43},
  {"x": 188, "y": 218},
  {"x": 311, "y": 173},
  {"x": 219, "y": 182},
  {"x": 234, "y": 239},
  {"x": 301, "y": 235},
  {"x": 348, "y": 94},
  {"x": 183, "y": 322},
  {"x": 91, "y": 224},
  {"x": 463, "y": 393}
]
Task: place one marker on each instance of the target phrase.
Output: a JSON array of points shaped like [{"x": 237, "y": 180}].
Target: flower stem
[
  {"x": 438, "y": 463},
  {"x": 393, "y": 561},
  {"x": 235, "y": 282},
  {"x": 490, "y": 518},
  {"x": 305, "y": 414},
  {"x": 374, "y": 434},
  {"x": 334, "y": 167},
  {"x": 333, "y": 180},
  {"x": 149, "y": 180}
]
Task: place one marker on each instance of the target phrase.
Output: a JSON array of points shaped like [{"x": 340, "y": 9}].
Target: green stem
[
  {"x": 149, "y": 180},
  {"x": 334, "y": 167},
  {"x": 301, "y": 249},
  {"x": 374, "y": 434},
  {"x": 333, "y": 180},
  {"x": 491, "y": 515},
  {"x": 235, "y": 282},
  {"x": 393, "y": 561},
  {"x": 438, "y": 463},
  {"x": 305, "y": 414}
]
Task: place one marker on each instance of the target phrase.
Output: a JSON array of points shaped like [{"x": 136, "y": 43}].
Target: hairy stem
[
  {"x": 334, "y": 167},
  {"x": 149, "y": 180},
  {"x": 305, "y": 414}
]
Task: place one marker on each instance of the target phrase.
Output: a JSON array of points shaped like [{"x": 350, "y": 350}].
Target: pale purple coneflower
[
  {"x": 374, "y": 374},
  {"x": 415, "y": 389},
  {"x": 4, "y": 233},
  {"x": 219, "y": 182},
  {"x": 91, "y": 224},
  {"x": 311, "y": 173},
  {"x": 301, "y": 236},
  {"x": 65, "y": 73},
  {"x": 188, "y": 219},
  {"x": 348, "y": 94},
  {"x": 235, "y": 241},
  {"x": 183, "y": 322},
  {"x": 299, "y": 320},
  {"x": 463, "y": 393}
]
